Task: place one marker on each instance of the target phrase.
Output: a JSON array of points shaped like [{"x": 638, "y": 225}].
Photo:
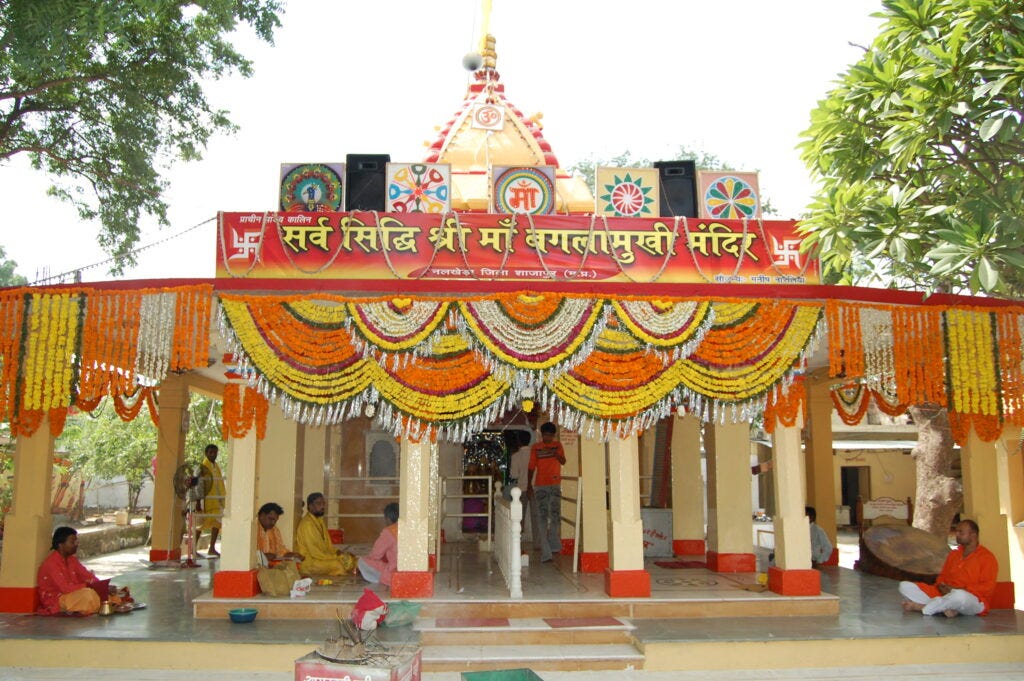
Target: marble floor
[{"x": 868, "y": 608}]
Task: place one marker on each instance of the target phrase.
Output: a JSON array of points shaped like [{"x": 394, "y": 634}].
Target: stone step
[
  {"x": 536, "y": 657},
  {"x": 530, "y": 631}
]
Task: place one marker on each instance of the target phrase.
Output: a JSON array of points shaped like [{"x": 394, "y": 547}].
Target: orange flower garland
[
  {"x": 784, "y": 407},
  {"x": 918, "y": 359},
  {"x": 1011, "y": 371},
  {"x": 845, "y": 341},
  {"x": 242, "y": 408}
]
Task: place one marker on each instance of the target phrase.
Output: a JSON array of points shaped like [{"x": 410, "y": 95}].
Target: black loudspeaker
[
  {"x": 365, "y": 180},
  {"x": 678, "y": 180}
]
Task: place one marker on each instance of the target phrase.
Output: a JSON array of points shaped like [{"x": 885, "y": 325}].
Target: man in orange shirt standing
[
  {"x": 546, "y": 459},
  {"x": 966, "y": 583}
]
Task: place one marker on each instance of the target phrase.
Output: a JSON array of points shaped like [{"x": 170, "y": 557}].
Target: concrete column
[
  {"x": 314, "y": 458},
  {"x": 275, "y": 473},
  {"x": 730, "y": 531},
  {"x": 28, "y": 527},
  {"x": 569, "y": 489},
  {"x": 237, "y": 575},
  {"x": 594, "y": 467},
  {"x": 979, "y": 462},
  {"x": 687, "y": 488},
  {"x": 413, "y": 578},
  {"x": 792, "y": 575},
  {"x": 821, "y": 489},
  {"x": 168, "y": 523},
  {"x": 1010, "y": 460},
  {"x": 626, "y": 575}
]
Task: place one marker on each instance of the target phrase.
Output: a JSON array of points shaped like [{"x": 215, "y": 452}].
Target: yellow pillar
[
  {"x": 276, "y": 468},
  {"x": 792, "y": 575},
  {"x": 821, "y": 489},
  {"x": 687, "y": 488},
  {"x": 593, "y": 469},
  {"x": 237, "y": 575},
  {"x": 570, "y": 489},
  {"x": 413, "y": 578},
  {"x": 982, "y": 505},
  {"x": 168, "y": 523},
  {"x": 28, "y": 526},
  {"x": 625, "y": 576},
  {"x": 730, "y": 540},
  {"x": 314, "y": 458},
  {"x": 1011, "y": 500}
]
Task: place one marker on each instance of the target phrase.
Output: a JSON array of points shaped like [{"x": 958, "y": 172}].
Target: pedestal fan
[{"x": 191, "y": 485}]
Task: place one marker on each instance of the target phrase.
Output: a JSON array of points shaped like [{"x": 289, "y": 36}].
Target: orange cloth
[
  {"x": 270, "y": 541},
  {"x": 547, "y": 459},
  {"x": 976, "y": 573}
]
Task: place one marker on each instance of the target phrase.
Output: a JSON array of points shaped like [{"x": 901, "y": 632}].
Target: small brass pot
[{"x": 107, "y": 608}]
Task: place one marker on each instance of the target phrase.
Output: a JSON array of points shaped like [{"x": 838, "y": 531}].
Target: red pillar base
[
  {"x": 160, "y": 555},
  {"x": 412, "y": 584},
  {"x": 833, "y": 559},
  {"x": 18, "y": 599},
  {"x": 1004, "y": 597},
  {"x": 627, "y": 583},
  {"x": 235, "y": 584},
  {"x": 596, "y": 561},
  {"x": 794, "y": 582},
  {"x": 731, "y": 562},
  {"x": 689, "y": 547},
  {"x": 567, "y": 546}
]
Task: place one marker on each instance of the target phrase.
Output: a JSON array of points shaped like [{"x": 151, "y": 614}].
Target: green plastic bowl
[{"x": 243, "y": 615}]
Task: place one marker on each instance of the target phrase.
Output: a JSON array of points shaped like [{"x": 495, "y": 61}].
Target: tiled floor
[{"x": 869, "y": 608}]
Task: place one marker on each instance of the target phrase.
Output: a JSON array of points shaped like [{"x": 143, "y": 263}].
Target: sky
[{"x": 734, "y": 78}]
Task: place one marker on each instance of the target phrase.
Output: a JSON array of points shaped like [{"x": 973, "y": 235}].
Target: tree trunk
[{"x": 939, "y": 493}]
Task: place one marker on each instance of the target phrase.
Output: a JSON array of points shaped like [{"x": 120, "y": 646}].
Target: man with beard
[
  {"x": 314, "y": 542},
  {"x": 966, "y": 583},
  {"x": 65, "y": 585}
]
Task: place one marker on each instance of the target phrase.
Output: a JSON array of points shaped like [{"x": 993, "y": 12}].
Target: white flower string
[
  {"x": 156, "y": 337},
  {"x": 772, "y": 263},
  {"x": 259, "y": 245},
  {"x": 287, "y": 253}
]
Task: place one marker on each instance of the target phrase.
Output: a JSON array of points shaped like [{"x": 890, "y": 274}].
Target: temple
[{"x": 374, "y": 355}]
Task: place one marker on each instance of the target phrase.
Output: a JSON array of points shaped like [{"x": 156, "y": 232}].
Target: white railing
[{"x": 508, "y": 533}]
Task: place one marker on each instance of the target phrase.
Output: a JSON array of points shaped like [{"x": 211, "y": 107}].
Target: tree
[
  {"x": 8, "y": 277},
  {"x": 204, "y": 428},
  {"x": 102, "y": 94},
  {"x": 920, "y": 151},
  {"x": 103, "y": 447},
  {"x": 703, "y": 160}
]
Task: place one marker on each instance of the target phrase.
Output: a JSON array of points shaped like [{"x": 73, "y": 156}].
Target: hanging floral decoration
[
  {"x": 532, "y": 332},
  {"x": 977, "y": 371},
  {"x": 243, "y": 407},
  {"x": 676, "y": 325},
  {"x": 72, "y": 346},
  {"x": 398, "y": 324},
  {"x": 852, "y": 400},
  {"x": 785, "y": 406}
]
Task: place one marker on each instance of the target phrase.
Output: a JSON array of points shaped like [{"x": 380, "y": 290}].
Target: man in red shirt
[
  {"x": 966, "y": 583},
  {"x": 546, "y": 459},
  {"x": 65, "y": 585}
]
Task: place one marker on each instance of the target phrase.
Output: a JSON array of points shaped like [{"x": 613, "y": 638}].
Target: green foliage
[
  {"x": 702, "y": 159},
  {"x": 102, "y": 446},
  {"x": 103, "y": 94},
  {"x": 8, "y": 277},
  {"x": 919, "y": 149},
  {"x": 204, "y": 429}
]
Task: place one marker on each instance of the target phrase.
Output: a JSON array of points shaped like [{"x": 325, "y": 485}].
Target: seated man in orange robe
[
  {"x": 268, "y": 537},
  {"x": 966, "y": 583},
  {"x": 64, "y": 583}
]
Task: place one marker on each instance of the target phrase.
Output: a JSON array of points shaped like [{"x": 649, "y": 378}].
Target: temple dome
[{"x": 511, "y": 140}]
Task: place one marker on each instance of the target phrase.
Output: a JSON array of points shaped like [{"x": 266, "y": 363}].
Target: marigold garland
[
  {"x": 971, "y": 367},
  {"x": 242, "y": 408},
  {"x": 783, "y": 407}
]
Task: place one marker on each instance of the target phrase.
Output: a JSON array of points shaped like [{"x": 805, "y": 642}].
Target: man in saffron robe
[
  {"x": 64, "y": 583},
  {"x": 212, "y": 504},
  {"x": 268, "y": 537},
  {"x": 966, "y": 583},
  {"x": 319, "y": 557},
  {"x": 379, "y": 565}
]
